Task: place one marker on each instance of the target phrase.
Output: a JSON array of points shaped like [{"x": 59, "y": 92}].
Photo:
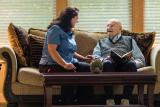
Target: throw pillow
[
  {"x": 18, "y": 40},
  {"x": 38, "y": 32},
  {"x": 35, "y": 46}
]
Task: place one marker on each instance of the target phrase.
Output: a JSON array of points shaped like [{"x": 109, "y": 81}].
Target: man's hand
[
  {"x": 109, "y": 58},
  {"x": 89, "y": 58}
]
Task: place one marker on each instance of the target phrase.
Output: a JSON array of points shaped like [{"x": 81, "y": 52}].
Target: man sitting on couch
[{"x": 121, "y": 44}]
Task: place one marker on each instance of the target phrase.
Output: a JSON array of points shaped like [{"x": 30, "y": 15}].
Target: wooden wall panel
[
  {"x": 137, "y": 15},
  {"x": 60, "y": 5}
]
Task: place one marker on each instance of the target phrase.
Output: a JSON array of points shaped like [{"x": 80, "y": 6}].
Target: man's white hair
[{"x": 115, "y": 21}]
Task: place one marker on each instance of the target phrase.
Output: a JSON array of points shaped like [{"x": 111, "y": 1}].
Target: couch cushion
[
  {"x": 86, "y": 41},
  {"x": 30, "y": 76},
  {"x": 26, "y": 89},
  {"x": 18, "y": 40},
  {"x": 37, "y": 32},
  {"x": 146, "y": 69},
  {"x": 35, "y": 46}
]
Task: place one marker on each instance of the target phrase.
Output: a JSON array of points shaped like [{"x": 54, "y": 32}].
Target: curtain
[
  {"x": 94, "y": 14},
  {"x": 25, "y": 13}
]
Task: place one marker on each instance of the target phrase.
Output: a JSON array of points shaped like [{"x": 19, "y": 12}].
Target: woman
[{"x": 59, "y": 53}]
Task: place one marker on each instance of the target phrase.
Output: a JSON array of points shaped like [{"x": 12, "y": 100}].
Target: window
[
  {"x": 25, "y": 13},
  {"x": 152, "y": 18},
  {"x": 95, "y": 13}
]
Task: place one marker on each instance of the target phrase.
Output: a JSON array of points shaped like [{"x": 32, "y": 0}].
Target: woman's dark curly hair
[{"x": 64, "y": 19}]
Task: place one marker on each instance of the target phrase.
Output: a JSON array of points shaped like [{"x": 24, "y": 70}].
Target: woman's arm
[
  {"x": 82, "y": 58},
  {"x": 57, "y": 58},
  {"x": 79, "y": 57}
]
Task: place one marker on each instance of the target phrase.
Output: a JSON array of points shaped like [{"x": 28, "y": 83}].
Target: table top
[
  {"x": 82, "y": 74},
  {"x": 61, "y": 78},
  {"x": 100, "y": 106}
]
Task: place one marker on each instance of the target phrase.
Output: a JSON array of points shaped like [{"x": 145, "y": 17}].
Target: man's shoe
[
  {"x": 125, "y": 102},
  {"x": 110, "y": 102}
]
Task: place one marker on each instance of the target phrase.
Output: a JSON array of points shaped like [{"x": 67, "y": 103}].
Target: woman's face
[{"x": 74, "y": 20}]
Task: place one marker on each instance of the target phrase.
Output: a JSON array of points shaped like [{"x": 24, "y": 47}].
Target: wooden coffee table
[{"x": 88, "y": 78}]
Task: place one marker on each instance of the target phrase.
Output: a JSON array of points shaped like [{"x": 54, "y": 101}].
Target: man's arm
[
  {"x": 97, "y": 50},
  {"x": 137, "y": 55}
]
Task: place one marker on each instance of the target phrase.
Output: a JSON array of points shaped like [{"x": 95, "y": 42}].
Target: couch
[{"x": 23, "y": 82}]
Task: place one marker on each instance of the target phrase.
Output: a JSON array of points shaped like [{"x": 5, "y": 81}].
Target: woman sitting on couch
[{"x": 59, "y": 54}]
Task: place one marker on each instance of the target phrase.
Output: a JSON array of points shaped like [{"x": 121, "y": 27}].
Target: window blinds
[
  {"x": 25, "y": 13},
  {"x": 152, "y": 18},
  {"x": 94, "y": 14}
]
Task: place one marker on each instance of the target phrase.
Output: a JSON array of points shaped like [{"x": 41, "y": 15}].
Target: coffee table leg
[
  {"x": 48, "y": 96},
  {"x": 150, "y": 91},
  {"x": 141, "y": 94}
]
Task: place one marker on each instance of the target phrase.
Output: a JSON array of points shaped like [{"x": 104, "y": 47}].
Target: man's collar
[{"x": 115, "y": 38}]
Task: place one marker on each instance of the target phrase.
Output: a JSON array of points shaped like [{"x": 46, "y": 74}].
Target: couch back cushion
[
  {"x": 86, "y": 41},
  {"x": 36, "y": 41},
  {"x": 35, "y": 46},
  {"x": 37, "y": 32},
  {"x": 18, "y": 40}
]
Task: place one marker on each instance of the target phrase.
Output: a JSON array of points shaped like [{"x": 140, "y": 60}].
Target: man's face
[{"x": 113, "y": 28}]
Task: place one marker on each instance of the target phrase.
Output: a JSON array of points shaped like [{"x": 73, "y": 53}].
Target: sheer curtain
[
  {"x": 95, "y": 13},
  {"x": 25, "y": 13},
  {"x": 152, "y": 18}
]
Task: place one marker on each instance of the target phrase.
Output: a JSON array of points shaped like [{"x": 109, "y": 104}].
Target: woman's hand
[
  {"x": 89, "y": 58},
  {"x": 69, "y": 66}
]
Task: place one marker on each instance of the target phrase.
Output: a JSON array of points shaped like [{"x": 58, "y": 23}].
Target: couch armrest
[
  {"x": 155, "y": 60},
  {"x": 8, "y": 55}
]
